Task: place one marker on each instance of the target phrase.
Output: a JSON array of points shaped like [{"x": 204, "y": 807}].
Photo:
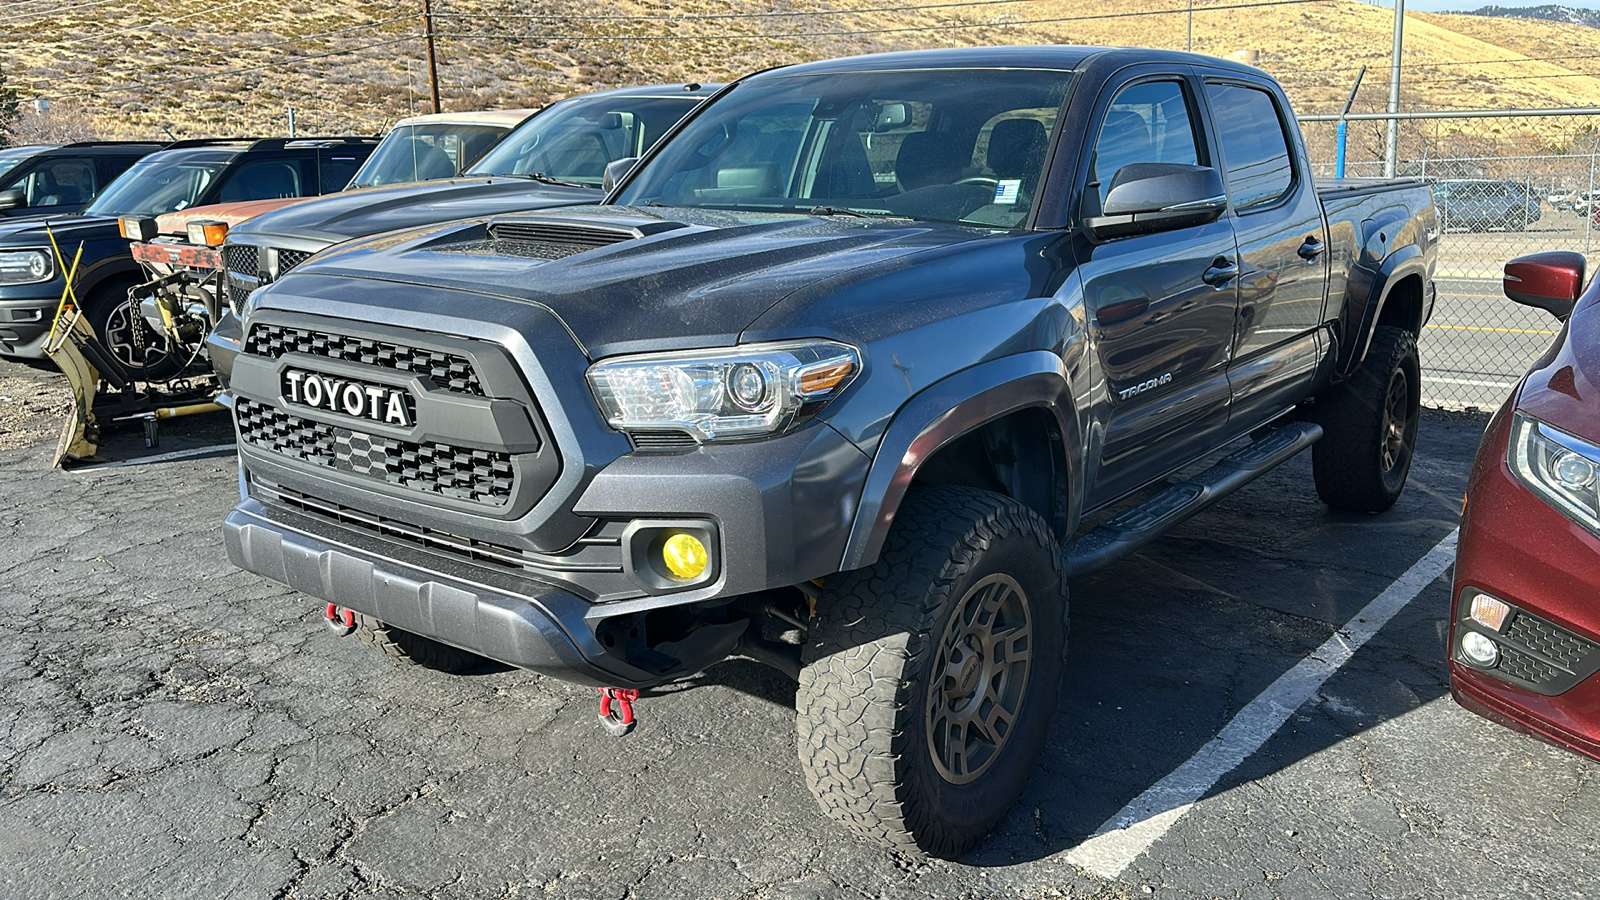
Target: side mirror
[
  {"x": 12, "y": 199},
  {"x": 616, "y": 170},
  {"x": 1149, "y": 197},
  {"x": 1550, "y": 281}
]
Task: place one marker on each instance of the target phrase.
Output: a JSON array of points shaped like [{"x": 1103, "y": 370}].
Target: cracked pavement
[{"x": 173, "y": 727}]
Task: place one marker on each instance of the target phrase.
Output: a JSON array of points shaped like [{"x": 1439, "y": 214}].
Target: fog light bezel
[
  {"x": 642, "y": 544},
  {"x": 1467, "y": 655}
]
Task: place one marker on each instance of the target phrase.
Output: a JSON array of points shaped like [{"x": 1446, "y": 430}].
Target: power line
[
  {"x": 1440, "y": 65},
  {"x": 273, "y": 65},
  {"x": 231, "y": 51},
  {"x": 760, "y": 15},
  {"x": 48, "y": 12},
  {"x": 468, "y": 36},
  {"x": 100, "y": 36}
]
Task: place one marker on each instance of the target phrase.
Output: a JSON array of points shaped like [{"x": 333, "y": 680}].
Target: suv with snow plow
[{"x": 833, "y": 380}]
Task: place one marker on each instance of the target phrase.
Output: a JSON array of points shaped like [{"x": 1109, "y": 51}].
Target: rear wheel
[
  {"x": 1370, "y": 427},
  {"x": 408, "y": 648},
  {"x": 930, "y": 677}
]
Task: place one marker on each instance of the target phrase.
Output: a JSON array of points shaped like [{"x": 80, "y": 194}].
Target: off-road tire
[
  {"x": 863, "y": 713},
  {"x": 133, "y": 331},
  {"x": 410, "y": 649},
  {"x": 1369, "y": 433}
]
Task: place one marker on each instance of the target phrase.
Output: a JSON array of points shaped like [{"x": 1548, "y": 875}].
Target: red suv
[{"x": 1525, "y": 641}]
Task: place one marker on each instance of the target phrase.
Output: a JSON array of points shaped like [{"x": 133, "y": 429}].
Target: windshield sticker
[{"x": 1006, "y": 191}]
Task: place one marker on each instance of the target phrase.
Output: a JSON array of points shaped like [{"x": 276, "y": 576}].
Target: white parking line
[
  {"x": 163, "y": 457},
  {"x": 1505, "y": 385},
  {"x": 1126, "y": 835}
]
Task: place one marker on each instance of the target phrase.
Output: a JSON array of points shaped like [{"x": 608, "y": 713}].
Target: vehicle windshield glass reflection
[
  {"x": 958, "y": 145},
  {"x": 426, "y": 152},
  {"x": 573, "y": 140},
  {"x": 153, "y": 187}
]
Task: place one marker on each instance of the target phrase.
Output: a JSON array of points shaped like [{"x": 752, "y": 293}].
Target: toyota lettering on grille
[{"x": 379, "y": 403}]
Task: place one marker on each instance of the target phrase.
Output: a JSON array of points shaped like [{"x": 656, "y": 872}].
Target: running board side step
[{"x": 1134, "y": 529}]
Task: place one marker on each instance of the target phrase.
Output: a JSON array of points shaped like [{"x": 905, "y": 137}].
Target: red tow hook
[
  {"x": 342, "y": 621},
  {"x": 620, "y": 721}
]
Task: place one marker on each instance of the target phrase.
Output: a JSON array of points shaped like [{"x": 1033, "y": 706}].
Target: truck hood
[
  {"x": 233, "y": 214},
  {"x": 683, "y": 279},
  {"x": 366, "y": 211},
  {"x": 68, "y": 230}
]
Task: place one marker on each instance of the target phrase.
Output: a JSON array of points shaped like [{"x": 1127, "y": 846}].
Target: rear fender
[
  {"x": 1396, "y": 267},
  {"x": 944, "y": 412}
]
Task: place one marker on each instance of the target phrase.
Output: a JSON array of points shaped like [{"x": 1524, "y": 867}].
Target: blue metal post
[{"x": 1338, "y": 155}]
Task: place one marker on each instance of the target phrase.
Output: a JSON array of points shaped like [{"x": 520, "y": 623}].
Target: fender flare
[
  {"x": 96, "y": 274},
  {"x": 1399, "y": 265},
  {"x": 943, "y": 412}
]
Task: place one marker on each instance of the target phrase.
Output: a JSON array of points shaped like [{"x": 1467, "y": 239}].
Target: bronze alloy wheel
[
  {"x": 982, "y": 672},
  {"x": 1396, "y": 415}
]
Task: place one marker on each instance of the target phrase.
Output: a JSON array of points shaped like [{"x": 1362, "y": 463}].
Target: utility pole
[
  {"x": 1392, "y": 143},
  {"x": 433, "y": 62},
  {"x": 1188, "y": 42},
  {"x": 291, "y": 122}
]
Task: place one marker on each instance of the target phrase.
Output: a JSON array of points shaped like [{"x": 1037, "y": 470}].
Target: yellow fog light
[{"x": 685, "y": 556}]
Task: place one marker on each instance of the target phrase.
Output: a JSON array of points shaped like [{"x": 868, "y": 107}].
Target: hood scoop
[{"x": 555, "y": 237}]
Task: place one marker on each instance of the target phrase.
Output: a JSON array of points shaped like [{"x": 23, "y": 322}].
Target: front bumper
[
  {"x": 25, "y": 320},
  {"x": 459, "y": 605},
  {"x": 1517, "y": 548}
]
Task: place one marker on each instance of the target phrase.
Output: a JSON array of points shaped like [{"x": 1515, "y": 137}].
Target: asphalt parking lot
[{"x": 173, "y": 727}]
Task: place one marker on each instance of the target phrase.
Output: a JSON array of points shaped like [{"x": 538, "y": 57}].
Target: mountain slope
[{"x": 205, "y": 67}]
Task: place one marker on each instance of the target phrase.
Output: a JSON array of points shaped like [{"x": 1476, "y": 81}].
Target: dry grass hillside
[{"x": 207, "y": 67}]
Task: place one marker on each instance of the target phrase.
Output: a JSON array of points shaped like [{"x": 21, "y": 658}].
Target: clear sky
[{"x": 1469, "y": 5}]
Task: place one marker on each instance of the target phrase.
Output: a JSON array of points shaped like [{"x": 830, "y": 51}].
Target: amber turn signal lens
[
  {"x": 207, "y": 234},
  {"x": 820, "y": 379},
  {"x": 1489, "y": 612},
  {"x": 137, "y": 228}
]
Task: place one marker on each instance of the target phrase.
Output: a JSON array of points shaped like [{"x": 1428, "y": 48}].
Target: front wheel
[
  {"x": 144, "y": 353},
  {"x": 930, "y": 677},
  {"x": 1370, "y": 427}
]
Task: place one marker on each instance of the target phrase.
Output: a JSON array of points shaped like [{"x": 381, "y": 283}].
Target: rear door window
[
  {"x": 61, "y": 182},
  {"x": 1255, "y": 149},
  {"x": 266, "y": 179}
]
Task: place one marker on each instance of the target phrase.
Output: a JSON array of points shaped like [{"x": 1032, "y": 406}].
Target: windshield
[
  {"x": 10, "y": 159},
  {"x": 575, "y": 139},
  {"x": 159, "y": 184},
  {"x": 426, "y": 151},
  {"x": 946, "y": 145}
]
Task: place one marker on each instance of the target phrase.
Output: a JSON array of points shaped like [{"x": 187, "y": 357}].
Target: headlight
[
  {"x": 734, "y": 394},
  {"x": 1558, "y": 467},
  {"x": 26, "y": 266}
]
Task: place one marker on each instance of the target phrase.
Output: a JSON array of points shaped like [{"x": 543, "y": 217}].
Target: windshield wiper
[
  {"x": 853, "y": 213},
  {"x": 542, "y": 178}
]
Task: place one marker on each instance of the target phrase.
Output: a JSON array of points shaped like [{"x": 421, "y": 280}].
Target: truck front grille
[
  {"x": 448, "y": 371},
  {"x": 480, "y": 476},
  {"x": 241, "y": 258},
  {"x": 288, "y": 259}
]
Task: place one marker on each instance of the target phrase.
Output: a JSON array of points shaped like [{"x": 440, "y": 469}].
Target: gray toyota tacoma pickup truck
[{"x": 850, "y": 374}]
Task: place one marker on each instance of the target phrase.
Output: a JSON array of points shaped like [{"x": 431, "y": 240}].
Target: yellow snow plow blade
[{"x": 69, "y": 332}]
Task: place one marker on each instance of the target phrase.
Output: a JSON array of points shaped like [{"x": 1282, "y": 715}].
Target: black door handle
[
  {"x": 1311, "y": 249},
  {"x": 1222, "y": 271}
]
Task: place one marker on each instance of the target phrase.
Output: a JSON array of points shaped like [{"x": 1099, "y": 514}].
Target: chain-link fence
[{"x": 1505, "y": 186}]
